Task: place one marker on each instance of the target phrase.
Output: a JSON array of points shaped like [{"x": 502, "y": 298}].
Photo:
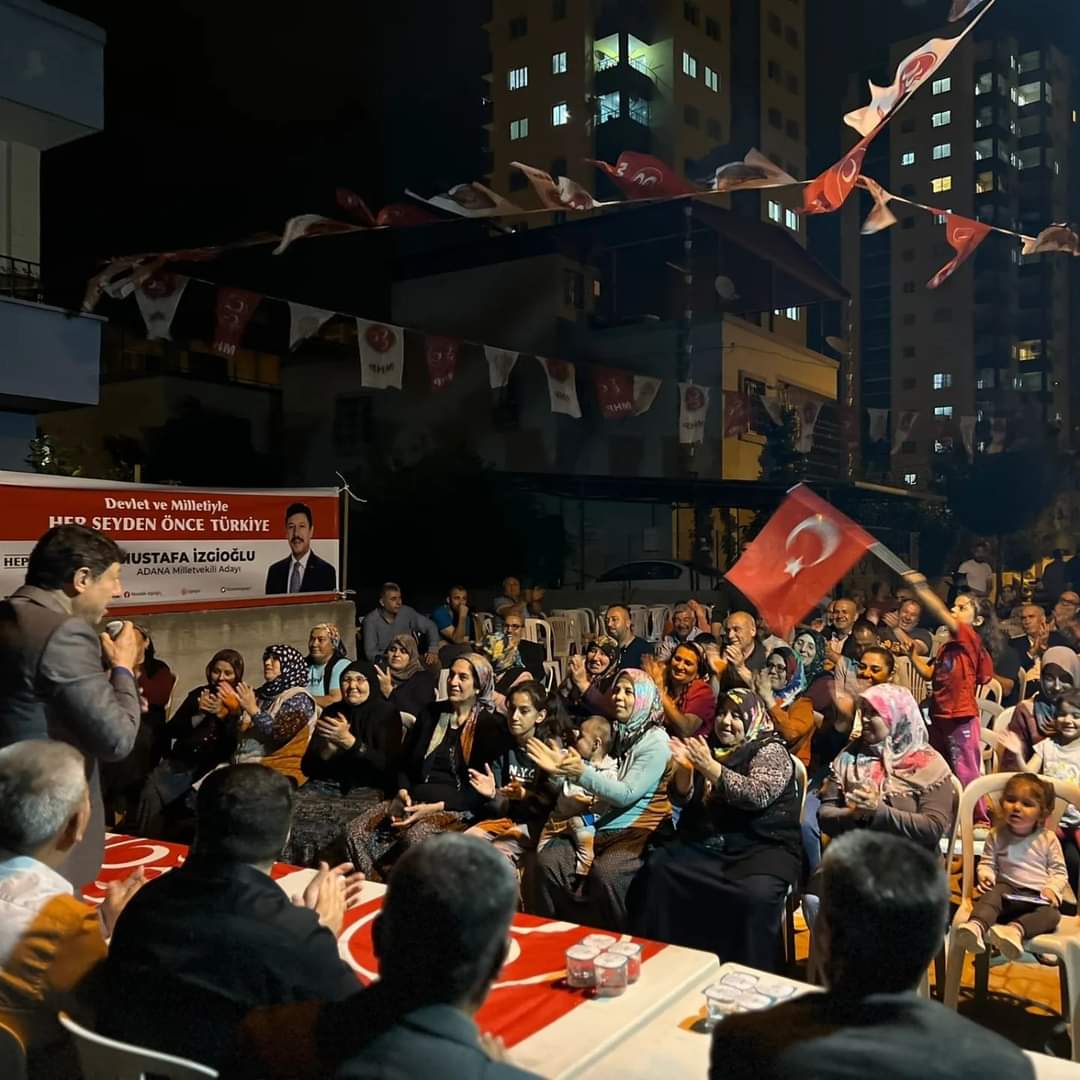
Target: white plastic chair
[
  {"x": 562, "y": 635},
  {"x": 787, "y": 929},
  {"x": 658, "y": 617},
  {"x": 444, "y": 677},
  {"x": 484, "y": 622},
  {"x": 639, "y": 620},
  {"x": 991, "y": 691},
  {"x": 1001, "y": 724},
  {"x": 576, "y": 625},
  {"x": 540, "y": 632},
  {"x": 12, "y": 1054},
  {"x": 107, "y": 1059},
  {"x": 552, "y": 675},
  {"x": 407, "y": 720},
  {"x": 1064, "y": 943}
]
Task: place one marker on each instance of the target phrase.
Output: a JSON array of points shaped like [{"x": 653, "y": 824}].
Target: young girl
[
  {"x": 961, "y": 666},
  {"x": 1021, "y": 876},
  {"x": 1059, "y": 758}
]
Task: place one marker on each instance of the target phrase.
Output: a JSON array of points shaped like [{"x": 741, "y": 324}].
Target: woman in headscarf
[
  {"x": 634, "y": 804},
  {"x": 588, "y": 680},
  {"x": 327, "y": 659},
  {"x": 721, "y": 884},
  {"x": 276, "y": 720},
  {"x": 1034, "y": 720},
  {"x": 781, "y": 685},
  {"x": 686, "y": 691},
  {"x": 889, "y": 779},
  {"x": 350, "y": 764},
  {"x": 404, "y": 681},
  {"x": 434, "y": 793},
  {"x": 501, "y": 650},
  {"x": 202, "y": 734}
]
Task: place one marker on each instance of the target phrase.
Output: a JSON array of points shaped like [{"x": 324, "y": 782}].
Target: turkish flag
[
  {"x": 234, "y": 310},
  {"x": 830, "y": 190},
  {"x": 964, "y": 236},
  {"x": 804, "y": 550},
  {"x": 642, "y": 176},
  {"x": 400, "y": 214},
  {"x": 736, "y": 414},
  {"x": 354, "y": 206},
  {"x": 621, "y": 393}
]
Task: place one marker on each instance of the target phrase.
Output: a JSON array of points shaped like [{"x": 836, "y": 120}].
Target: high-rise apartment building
[
  {"x": 989, "y": 138},
  {"x": 694, "y": 84}
]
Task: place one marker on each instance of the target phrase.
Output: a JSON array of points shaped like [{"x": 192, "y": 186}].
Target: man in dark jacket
[
  {"x": 884, "y": 902},
  {"x": 303, "y": 571},
  {"x": 218, "y": 937},
  {"x": 59, "y": 679}
]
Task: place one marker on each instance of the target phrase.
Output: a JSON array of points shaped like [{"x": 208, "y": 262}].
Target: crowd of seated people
[{"x": 655, "y": 779}]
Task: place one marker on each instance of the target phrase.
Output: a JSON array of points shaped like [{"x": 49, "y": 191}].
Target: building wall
[{"x": 20, "y": 209}]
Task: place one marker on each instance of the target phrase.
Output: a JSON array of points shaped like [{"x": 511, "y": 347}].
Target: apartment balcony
[
  {"x": 51, "y": 358},
  {"x": 51, "y": 75}
]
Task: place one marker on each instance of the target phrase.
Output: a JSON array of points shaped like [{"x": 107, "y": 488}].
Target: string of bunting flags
[
  {"x": 642, "y": 178},
  {"x": 381, "y": 352}
]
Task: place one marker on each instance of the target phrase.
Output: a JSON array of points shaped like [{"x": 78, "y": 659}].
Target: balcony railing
[{"x": 20, "y": 279}]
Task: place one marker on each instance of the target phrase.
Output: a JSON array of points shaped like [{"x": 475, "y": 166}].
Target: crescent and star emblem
[{"x": 825, "y": 531}]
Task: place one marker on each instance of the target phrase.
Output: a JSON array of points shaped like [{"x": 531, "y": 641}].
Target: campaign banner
[{"x": 183, "y": 547}]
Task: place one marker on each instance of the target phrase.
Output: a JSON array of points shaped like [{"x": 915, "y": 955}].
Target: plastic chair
[
  {"x": 575, "y": 628},
  {"x": 540, "y": 632},
  {"x": 989, "y": 711},
  {"x": 1064, "y": 943},
  {"x": 107, "y": 1059},
  {"x": 444, "y": 677},
  {"x": 562, "y": 635},
  {"x": 991, "y": 691},
  {"x": 658, "y": 615},
  {"x": 1001, "y": 723},
  {"x": 484, "y": 622},
  {"x": 12, "y": 1054},
  {"x": 639, "y": 620},
  {"x": 552, "y": 675}
]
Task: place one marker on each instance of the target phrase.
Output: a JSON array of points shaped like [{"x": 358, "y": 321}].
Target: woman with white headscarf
[{"x": 434, "y": 791}]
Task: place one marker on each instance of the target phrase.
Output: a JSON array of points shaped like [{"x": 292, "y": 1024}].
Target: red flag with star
[
  {"x": 642, "y": 176},
  {"x": 964, "y": 236},
  {"x": 830, "y": 190},
  {"x": 804, "y": 550}
]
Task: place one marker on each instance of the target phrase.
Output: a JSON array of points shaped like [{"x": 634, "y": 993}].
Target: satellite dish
[
  {"x": 837, "y": 344},
  {"x": 725, "y": 288}
]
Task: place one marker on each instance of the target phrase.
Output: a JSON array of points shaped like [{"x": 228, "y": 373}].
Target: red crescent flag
[
  {"x": 234, "y": 310},
  {"x": 830, "y": 190},
  {"x": 354, "y": 206},
  {"x": 402, "y": 214},
  {"x": 642, "y": 176},
  {"x": 736, "y": 414},
  {"x": 964, "y": 236},
  {"x": 804, "y": 550}
]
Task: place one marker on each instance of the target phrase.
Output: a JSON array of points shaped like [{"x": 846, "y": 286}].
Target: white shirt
[
  {"x": 980, "y": 576},
  {"x": 26, "y": 886}
]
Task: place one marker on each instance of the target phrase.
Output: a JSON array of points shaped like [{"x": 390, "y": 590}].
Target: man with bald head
[
  {"x": 1036, "y": 638},
  {"x": 741, "y": 655},
  {"x": 843, "y": 614}
]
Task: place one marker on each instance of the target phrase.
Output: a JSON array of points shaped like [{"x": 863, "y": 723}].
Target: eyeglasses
[{"x": 514, "y": 626}]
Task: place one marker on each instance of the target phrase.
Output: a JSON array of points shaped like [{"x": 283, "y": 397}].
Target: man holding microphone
[{"x": 61, "y": 680}]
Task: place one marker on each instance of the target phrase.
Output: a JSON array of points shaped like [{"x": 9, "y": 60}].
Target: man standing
[
  {"x": 842, "y": 617},
  {"x": 303, "y": 571},
  {"x": 392, "y": 617},
  {"x": 684, "y": 628},
  {"x": 978, "y": 572},
  {"x": 58, "y": 679},
  {"x": 632, "y": 649},
  {"x": 884, "y": 903},
  {"x": 1055, "y": 576}
]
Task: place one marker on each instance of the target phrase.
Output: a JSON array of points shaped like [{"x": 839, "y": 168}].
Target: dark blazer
[
  {"x": 53, "y": 685},
  {"x": 887, "y": 1036},
  {"x": 198, "y": 947},
  {"x": 319, "y": 576}
]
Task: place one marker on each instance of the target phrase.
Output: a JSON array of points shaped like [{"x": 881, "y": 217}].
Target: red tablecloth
[{"x": 527, "y": 998}]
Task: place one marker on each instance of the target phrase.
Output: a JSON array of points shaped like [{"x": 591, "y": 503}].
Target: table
[
  {"x": 676, "y": 1042},
  {"x": 550, "y": 1029}
]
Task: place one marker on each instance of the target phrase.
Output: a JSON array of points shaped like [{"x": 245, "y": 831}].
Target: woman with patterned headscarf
[
  {"x": 404, "y": 681},
  {"x": 277, "y": 718},
  {"x": 434, "y": 793},
  {"x": 636, "y": 794},
  {"x": 588, "y": 680},
  {"x": 721, "y": 884},
  {"x": 781, "y": 685},
  {"x": 327, "y": 660},
  {"x": 501, "y": 651}
]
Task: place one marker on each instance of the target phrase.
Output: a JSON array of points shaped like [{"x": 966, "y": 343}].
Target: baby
[{"x": 576, "y": 810}]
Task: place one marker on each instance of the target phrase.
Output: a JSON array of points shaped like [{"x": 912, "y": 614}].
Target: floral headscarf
[
  {"x": 334, "y": 634},
  {"x": 610, "y": 648},
  {"x": 501, "y": 649},
  {"x": 816, "y": 666},
  {"x": 904, "y": 760},
  {"x": 1042, "y": 706},
  {"x": 796, "y": 678},
  {"x": 294, "y": 671},
  {"x": 757, "y": 723},
  {"x": 648, "y": 711},
  {"x": 408, "y": 643}
]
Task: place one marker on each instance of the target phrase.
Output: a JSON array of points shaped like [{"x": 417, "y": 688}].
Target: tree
[{"x": 48, "y": 458}]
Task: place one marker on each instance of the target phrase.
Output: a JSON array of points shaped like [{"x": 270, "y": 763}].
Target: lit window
[
  {"x": 911, "y": 479},
  {"x": 712, "y": 79},
  {"x": 943, "y": 445},
  {"x": 517, "y": 78},
  {"x": 942, "y": 151},
  {"x": 775, "y": 211},
  {"x": 944, "y": 411},
  {"x": 984, "y": 84},
  {"x": 639, "y": 111},
  {"x": 942, "y": 86},
  {"x": 1026, "y": 351},
  {"x": 984, "y": 182},
  {"x": 560, "y": 114},
  {"x": 608, "y": 107},
  {"x": 907, "y": 157},
  {"x": 791, "y": 220},
  {"x": 942, "y": 380},
  {"x": 1029, "y": 94},
  {"x": 940, "y": 119},
  {"x": 689, "y": 65},
  {"x": 940, "y": 184},
  {"x": 519, "y": 129},
  {"x": 558, "y": 63}
]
